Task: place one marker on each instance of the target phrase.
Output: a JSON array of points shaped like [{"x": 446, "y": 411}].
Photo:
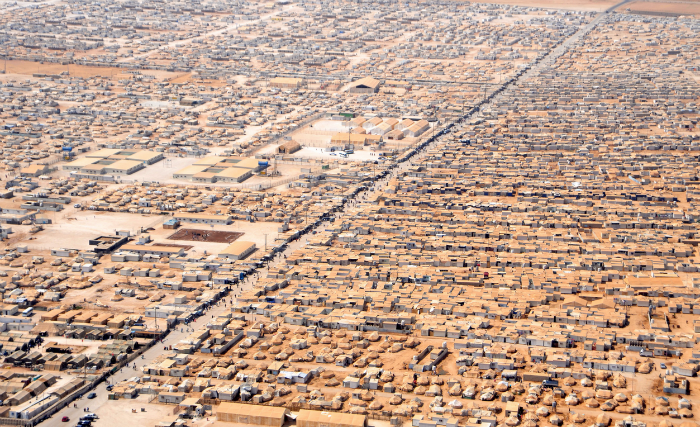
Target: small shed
[
  {"x": 512, "y": 409},
  {"x": 289, "y": 147},
  {"x": 171, "y": 397}
]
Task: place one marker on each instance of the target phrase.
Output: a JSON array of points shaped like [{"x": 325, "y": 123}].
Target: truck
[{"x": 550, "y": 383}]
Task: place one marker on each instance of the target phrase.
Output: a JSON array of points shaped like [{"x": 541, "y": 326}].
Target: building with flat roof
[
  {"x": 153, "y": 250},
  {"x": 113, "y": 161},
  {"x": 307, "y": 418},
  {"x": 198, "y": 218},
  {"x": 79, "y": 164},
  {"x": 146, "y": 156},
  {"x": 341, "y": 138},
  {"x": 189, "y": 172},
  {"x": 285, "y": 82},
  {"x": 103, "y": 153},
  {"x": 34, "y": 170},
  {"x": 124, "y": 167},
  {"x": 366, "y": 85},
  {"x": 233, "y": 175},
  {"x": 251, "y": 414},
  {"x": 238, "y": 250},
  {"x": 220, "y": 169}
]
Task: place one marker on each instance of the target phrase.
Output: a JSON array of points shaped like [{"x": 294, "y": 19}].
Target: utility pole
[{"x": 265, "y": 234}]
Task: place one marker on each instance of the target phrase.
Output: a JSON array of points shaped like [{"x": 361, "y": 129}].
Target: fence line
[
  {"x": 324, "y": 132},
  {"x": 160, "y": 219},
  {"x": 51, "y": 161},
  {"x": 297, "y": 161}
]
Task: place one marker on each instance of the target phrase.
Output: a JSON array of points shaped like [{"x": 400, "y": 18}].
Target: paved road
[{"x": 611, "y": 8}]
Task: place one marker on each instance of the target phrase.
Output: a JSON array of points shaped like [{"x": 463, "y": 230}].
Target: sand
[
  {"x": 75, "y": 233},
  {"x": 679, "y": 7},
  {"x": 118, "y": 412},
  {"x": 31, "y": 67}
]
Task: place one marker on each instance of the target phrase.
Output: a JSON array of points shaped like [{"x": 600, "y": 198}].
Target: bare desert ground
[
  {"x": 681, "y": 7},
  {"x": 31, "y": 67}
]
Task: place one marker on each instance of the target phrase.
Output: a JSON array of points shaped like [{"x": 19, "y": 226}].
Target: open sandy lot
[
  {"x": 30, "y": 67},
  {"x": 683, "y": 8},
  {"x": 89, "y": 224},
  {"x": 118, "y": 413}
]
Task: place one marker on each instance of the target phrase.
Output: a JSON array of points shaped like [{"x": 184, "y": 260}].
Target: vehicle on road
[
  {"x": 662, "y": 365},
  {"x": 65, "y": 419},
  {"x": 110, "y": 387},
  {"x": 92, "y": 395}
]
